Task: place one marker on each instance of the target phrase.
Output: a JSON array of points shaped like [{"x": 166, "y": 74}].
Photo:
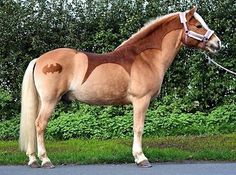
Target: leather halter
[{"x": 192, "y": 34}]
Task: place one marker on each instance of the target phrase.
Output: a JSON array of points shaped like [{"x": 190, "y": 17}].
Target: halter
[{"x": 192, "y": 34}]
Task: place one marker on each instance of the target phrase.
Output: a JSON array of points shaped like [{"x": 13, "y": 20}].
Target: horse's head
[{"x": 196, "y": 32}]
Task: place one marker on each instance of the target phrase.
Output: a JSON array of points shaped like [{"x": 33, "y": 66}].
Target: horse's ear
[{"x": 191, "y": 12}]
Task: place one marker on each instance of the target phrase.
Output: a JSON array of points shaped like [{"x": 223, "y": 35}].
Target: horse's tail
[{"x": 29, "y": 110}]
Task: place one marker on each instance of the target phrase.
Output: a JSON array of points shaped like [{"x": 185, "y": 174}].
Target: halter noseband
[{"x": 192, "y": 34}]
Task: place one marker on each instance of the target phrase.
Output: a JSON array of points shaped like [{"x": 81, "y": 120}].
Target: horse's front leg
[{"x": 140, "y": 106}]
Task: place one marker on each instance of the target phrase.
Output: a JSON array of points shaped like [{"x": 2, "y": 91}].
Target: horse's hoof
[
  {"x": 48, "y": 165},
  {"x": 34, "y": 165},
  {"x": 144, "y": 164}
]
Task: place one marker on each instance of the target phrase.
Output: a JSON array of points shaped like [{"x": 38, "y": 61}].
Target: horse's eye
[{"x": 199, "y": 26}]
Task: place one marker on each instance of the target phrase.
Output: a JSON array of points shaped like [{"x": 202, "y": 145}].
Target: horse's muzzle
[{"x": 213, "y": 45}]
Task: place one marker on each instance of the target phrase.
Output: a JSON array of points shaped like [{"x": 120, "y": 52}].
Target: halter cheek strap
[{"x": 192, "y": 34}]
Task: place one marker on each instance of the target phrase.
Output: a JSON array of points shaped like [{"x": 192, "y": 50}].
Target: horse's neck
[
  {"x": 150, "y": 38},
  {"x": 162, "y": 42},
  {"x": 160, "y": 60},
  {"x": 170, "y": 47}
]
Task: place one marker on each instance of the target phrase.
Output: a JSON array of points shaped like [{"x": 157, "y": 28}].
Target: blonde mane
[{"x": 148, "y": 28}]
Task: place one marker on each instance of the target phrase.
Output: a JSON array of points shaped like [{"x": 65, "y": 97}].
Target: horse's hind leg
[
  {"x": 32, "y": 158},
  {"x": 41, "y": 122}
]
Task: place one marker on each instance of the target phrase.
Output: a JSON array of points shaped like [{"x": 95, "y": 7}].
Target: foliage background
[{"x": 196, "y": 97}]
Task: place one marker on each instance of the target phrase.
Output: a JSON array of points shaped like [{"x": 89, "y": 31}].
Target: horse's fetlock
[
  {"x": 137, "y": 153},
  {"x": 42, "y": 155}
]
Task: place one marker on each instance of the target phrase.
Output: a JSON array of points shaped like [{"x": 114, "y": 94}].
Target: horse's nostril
[{"x": 216, "y": 45}]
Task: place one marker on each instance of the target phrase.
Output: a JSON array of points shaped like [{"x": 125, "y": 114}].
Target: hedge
[{"x": 101, "y": 123}]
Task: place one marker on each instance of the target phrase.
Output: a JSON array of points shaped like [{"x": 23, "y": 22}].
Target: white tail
[{"x": 29, "y": 110}]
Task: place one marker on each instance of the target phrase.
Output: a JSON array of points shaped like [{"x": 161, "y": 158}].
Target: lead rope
[{"x": 211, "y": 60}]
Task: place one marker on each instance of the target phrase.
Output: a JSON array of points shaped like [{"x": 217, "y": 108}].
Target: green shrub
[
  {"x": 98, "y": 122},
  {"x": 6, "y": 101},
  {"x": 116, "y": 122},
  {"x": 36, "y": 27},
  {"x": 9, "y": 129},
  {"x": 222, "y": 119}
]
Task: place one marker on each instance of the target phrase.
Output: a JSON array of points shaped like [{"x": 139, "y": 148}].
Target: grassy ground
[{"x": 217, "y": 148}]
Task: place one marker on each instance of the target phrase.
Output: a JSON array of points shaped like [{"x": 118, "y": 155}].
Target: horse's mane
[{"x": 147, "y": 29}]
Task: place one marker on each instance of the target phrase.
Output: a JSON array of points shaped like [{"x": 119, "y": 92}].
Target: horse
[{"x": 131, "y": 74}]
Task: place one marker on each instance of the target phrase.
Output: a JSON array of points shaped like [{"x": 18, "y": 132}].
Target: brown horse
[{"x": 133, "y": 73}]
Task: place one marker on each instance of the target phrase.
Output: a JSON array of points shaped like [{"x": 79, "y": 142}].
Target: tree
[{"x": 30, "y": 28}]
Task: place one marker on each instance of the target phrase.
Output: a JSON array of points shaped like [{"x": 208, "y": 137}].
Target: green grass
[{"x": 217, "y": 148}]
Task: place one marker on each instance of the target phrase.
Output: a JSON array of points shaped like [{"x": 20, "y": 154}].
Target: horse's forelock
[{"x": 201, "y": 20}]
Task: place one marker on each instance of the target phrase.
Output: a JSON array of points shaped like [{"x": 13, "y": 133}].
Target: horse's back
[{"x": 77, "y": 75}]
